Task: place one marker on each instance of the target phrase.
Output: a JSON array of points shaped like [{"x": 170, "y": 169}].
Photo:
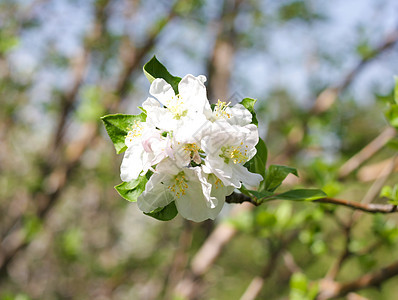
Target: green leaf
[
  {"x": 300, "y": 195},
  {"x": 116, "y": 126},
  {"x": 258, "y": 163},
  {"x": 396, "y": 89},
  {"x": 249, "y": 104},
  {"x": 154, "y": 69},
  {"x": 275, "y": 175},
  {"x": 165, "y": 213},
  {"x": 132, "y": 189}
]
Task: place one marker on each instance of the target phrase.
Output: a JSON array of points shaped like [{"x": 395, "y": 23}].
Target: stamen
[
  {"x": 238, "y": 154},
  {"x": 135, "y": 131},
  {"x": 176, "y": 106},
  {"x": 193, "y": 151},
  {"x": 179, "y": 186},
  {"x": 220, "y": 109}
]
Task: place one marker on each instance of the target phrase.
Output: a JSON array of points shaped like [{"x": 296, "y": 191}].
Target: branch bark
[
  {"x": 332, "y": 290},
  {"x": 366, "y": 207}
]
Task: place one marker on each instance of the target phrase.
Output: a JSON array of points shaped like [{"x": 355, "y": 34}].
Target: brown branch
[
  {"x": 256, "y": 285},
  {"x": 190, "y": 286},
  {"x": 374, "y": 146},
  {"x": 366, "y": 207},
  {"x": 332, "y": 290},
  {"x": 59, "y": 174},
  {"x": 329, "y": 95}
]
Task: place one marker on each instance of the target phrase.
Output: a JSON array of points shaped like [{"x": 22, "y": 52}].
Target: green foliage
[
  {"x": 385, "y": 229},
  {"x": 7, "y": 41},
  {"x": 166, "y": 213},
  {"x": 391, "y": 193},
  {"x": 117, "y": 127},
  {"x": 392, "y": 110},
  {"x": 154, "y": 69},
  {"x": 132, "y": 189},
  {"x": 90, "y": 108},
  {"x": 301, "y": 195},
  {"x": 259, "y": 162},
  {"x": 32, "y": 226},
  {"x": 297, "y": 10},
  {"x": 275, "y": 175},
  {"x": 300, "y": 289},
  {"x": 71, "y": 243},
  {"x": 249, "y": 104}
]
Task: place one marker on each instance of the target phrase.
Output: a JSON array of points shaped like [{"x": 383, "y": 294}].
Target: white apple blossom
[
  {"x": 145, "y": 148},
  {"x": 198, "y": 196},
  {"x": 188, "y": 106},
  {"x": 235, "y": 115},
  {"x": 197, "y": 154},
  {"x": 227, "y": 148}
]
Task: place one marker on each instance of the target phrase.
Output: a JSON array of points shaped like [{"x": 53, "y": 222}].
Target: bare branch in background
[
  {"x": 74, "y": 151},
  {"x": 329, "y": 95}
]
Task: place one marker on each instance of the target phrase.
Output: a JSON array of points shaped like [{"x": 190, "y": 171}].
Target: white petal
[
  {"x": 132, "y": 164},
  {"x": 161, "y": 90},
  {"x": 193, "y": 93},
  {"x": 156, "y": 193},
  {"x": 250, "y": 180},
  {"x": 239, "y": 115}
]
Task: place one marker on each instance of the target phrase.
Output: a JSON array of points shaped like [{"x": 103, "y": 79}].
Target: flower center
[
  {"x": 176, "y": 106},
  {"x": 193, "y": 151},
  {"x": 220, "y": 108},
  {"x": 238, "y": 154},
  {"x": 135, "y": 131},
  {"x": 179, "y": 186},
  {"x": 217, "y": 183}
]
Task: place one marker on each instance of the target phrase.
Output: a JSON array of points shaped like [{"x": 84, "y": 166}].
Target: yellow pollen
[
  {"x": 193, "y": 151},
  {"x": 179, "y": 186},
  {"x": 136, "y": 131},
  {"x": 176, "y": 106},
  {"x": 238, "y": 154},
  {"x": 220, "y": 109},
  {"x": 217, "y": 183}
]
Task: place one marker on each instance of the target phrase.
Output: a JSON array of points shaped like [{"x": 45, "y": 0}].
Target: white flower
[
  {"x": 197, "y": 196},
  {"x": 145, "y": 148},
  {"x": 189, "y": 105},
  {"x": 227, "y": 148},
  {"x": 235, "y": 115}
]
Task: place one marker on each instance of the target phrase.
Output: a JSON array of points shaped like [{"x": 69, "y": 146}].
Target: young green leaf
[
  {"x": 258, "y": 163},
  {"x": 275, "y": 175},
  {"x": 300, "y": 195},
  {"x": 249, "y": 104},
  {"x": 132, "y": 189},
  {"x": 154, "y": 69},
  {"x": 165, "y": 213},
  {"x": 117, "y": 127}
]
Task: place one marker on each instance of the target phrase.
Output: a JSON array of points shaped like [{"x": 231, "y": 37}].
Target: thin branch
[
  {"x": 375, "y": 145},
  {"x": 369, "y": 207},
  {"x": 329, "y": 95},
  {"x": 332, "y": 290},
  {"x": 74, "y": 152}
]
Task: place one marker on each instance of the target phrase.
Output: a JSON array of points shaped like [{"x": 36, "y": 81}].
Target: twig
[
  {"x": 334, "y": 290},
  {"x": 329, "y": 96},
  {"x": 370, "y": 207},
  {"x": 375, "y": 145},
  {"x": 74, "y": 152},
  {"x": 255, "y": 286}
]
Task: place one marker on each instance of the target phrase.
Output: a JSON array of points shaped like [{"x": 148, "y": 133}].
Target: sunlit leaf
[
  {"x": 132, "y": 189},
  {"x": 154, "y": 69},
  {"x": 165, "y": 213},
  {"x": 117, "y": 127}
]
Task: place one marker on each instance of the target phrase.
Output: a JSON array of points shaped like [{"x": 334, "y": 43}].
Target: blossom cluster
[{"x": 195, "y": 153}]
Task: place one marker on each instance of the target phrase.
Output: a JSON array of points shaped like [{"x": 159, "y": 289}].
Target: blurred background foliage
[{"x": 322, "y": 72}]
